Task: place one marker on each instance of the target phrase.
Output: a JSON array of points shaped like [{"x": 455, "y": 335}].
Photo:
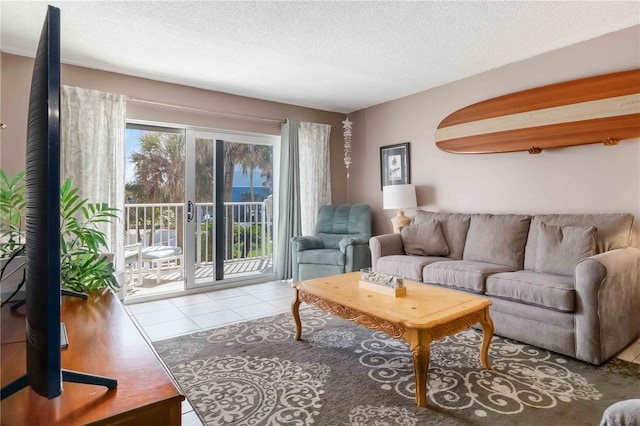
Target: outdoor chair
[
  {"x": 159, "y": 257},
  {"x": 339, "y": 244},
  {"x": 163, "y": 253},
  {"x": 133, "y": 261}
]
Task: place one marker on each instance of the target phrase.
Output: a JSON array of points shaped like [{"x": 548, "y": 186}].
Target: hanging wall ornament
[{"x": 346, "y": 124}]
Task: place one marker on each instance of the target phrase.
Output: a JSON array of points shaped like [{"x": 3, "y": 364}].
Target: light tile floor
[{"x": 167, "y": 318}]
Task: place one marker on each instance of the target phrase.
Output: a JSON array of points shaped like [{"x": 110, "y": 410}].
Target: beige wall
[
  {"x": 14, "y": 92},
  {"x": 587, "y": 179}
]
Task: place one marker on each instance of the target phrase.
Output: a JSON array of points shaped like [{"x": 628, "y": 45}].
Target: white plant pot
[{"x": 11, "y": 278}]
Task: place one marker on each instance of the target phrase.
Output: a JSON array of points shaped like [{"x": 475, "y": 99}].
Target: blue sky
[{"x": 130, "y": 145}]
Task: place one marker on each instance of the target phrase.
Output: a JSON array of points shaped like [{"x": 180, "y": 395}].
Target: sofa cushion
[
  {"x": 613, "y": 231},
  {"x": 546, "y": 290},
  {"x": 321, "y": 257},
  {"x": 497, "y": 239},
  {"x": 535, "y": 325},
  {"x": 409, "y": 267},
  {"x": 424, "y": 239},
  {"x": 462, "y": 274},
  {"x": 559, "y": 248},
  {"x": 454, "y": 227}
]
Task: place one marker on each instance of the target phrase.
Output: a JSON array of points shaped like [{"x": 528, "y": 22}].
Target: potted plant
[
  {"x": 84, "y": 265},
  {"x": 12, "y": 208}
]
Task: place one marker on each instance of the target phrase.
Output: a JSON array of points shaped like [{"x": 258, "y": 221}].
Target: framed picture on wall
[{"x": 395, "y": 164}]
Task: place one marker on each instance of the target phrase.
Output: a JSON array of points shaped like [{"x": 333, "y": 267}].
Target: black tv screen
[
  {"x": 43, "y": 287},
  {"x": 43, "y": 215}
]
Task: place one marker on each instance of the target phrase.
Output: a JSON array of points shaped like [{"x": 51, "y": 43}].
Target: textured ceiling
[{"x": 336, "y": 56}]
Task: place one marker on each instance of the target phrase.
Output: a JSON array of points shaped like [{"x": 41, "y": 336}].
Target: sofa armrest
[
  {"x": 307, "y": 242},
  {"x": 385, "y": 245},
  {"x": 607, "y": 303}
]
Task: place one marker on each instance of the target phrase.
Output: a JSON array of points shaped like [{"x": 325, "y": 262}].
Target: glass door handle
[{"x": 191, "y": 210}]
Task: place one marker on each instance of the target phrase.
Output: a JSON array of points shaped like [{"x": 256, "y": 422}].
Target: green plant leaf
[
  {"x": 82, "y": 265},
  {"x": 12, "y": 209}
]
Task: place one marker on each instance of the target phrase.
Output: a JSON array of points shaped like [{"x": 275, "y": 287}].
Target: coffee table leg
[
  {"x": 487, "y": 334},
  {"x": 420, "y": 353},
  {"x": 295, "y": 310}
]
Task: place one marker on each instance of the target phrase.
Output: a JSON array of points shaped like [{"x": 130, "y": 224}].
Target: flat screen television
[{"x": 43, "y": 288}]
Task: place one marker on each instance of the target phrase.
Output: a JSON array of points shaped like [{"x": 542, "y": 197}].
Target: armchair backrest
[{"x": 336, "y": 222}]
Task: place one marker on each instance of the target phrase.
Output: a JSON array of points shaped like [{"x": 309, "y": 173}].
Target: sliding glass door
[
  {"x": 199, "y": 208},
  {"x": 154, "y": 209},
  {"x": 229, "y": 205}
]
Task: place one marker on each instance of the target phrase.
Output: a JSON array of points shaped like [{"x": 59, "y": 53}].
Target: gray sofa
[{"x": 565, "y": 282}]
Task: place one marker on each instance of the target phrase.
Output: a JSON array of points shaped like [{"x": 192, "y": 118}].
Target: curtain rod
[{"x": 208, "y": 111}]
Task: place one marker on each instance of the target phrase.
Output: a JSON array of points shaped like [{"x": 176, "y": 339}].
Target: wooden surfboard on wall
[{"x": 604, "y": 108}]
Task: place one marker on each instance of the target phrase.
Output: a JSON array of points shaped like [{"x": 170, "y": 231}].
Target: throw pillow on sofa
[
  {"x": 454, "y": 227},
  {"x": 559, "y": 248},
  {"x": 613, "y": 231},
  {"x": 424, "y": 239},
  {"x": 499, "y": 239}
]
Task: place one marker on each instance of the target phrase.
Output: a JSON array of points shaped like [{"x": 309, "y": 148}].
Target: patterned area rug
[{"x": 341, "y": 373}]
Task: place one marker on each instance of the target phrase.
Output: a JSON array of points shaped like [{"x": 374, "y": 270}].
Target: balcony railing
[{"x": 248, "y": 229}]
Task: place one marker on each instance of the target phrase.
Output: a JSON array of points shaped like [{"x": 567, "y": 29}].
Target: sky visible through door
[{"x": 252, "y": 167}]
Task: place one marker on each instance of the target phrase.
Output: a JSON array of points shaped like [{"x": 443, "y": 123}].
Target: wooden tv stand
[{"x": 104, "y": 341}]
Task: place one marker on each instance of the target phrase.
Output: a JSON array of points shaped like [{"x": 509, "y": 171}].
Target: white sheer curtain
[
  {"x": 92, "y": 152},
  {"x": 315, "y": 172}
]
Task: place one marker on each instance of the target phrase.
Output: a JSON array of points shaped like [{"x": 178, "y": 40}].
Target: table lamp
[{"x": 399, "y": 197}]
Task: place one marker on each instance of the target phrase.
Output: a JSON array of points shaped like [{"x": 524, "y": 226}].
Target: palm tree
[
  {"x": 257, "y": 157},
  {"x": 250, "y": 157},
  {"x": 159, "y": 175},
  {"x": 248, "y": 165},
  {"x": 204, "y": 170},
  {"x": 265, "y": 164},
  {"x": 233, "y": 154}
]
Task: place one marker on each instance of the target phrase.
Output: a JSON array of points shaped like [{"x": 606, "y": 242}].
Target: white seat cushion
[{"x": 160, "y": 252}]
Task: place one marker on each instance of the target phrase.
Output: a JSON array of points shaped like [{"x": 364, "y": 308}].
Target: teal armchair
[{"x": 339, "y": 244}]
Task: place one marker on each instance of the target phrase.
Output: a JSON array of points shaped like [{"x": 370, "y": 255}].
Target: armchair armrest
[
  {"x": 385, "y": 245},
  {"x": 307, "y": 242},
  {"x": 608, "y": 303},
  {"x": 357, "y": 253},
  {"x": 351, "y": 241}
]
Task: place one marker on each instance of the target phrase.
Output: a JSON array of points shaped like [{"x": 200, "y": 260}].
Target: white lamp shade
[{"x": 399, "y": 197}]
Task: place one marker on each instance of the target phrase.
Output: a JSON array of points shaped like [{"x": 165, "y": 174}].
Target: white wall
[{"x": 584, "y": 179}]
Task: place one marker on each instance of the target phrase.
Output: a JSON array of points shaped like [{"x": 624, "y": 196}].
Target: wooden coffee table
[{"x": 425, "y": 314}]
